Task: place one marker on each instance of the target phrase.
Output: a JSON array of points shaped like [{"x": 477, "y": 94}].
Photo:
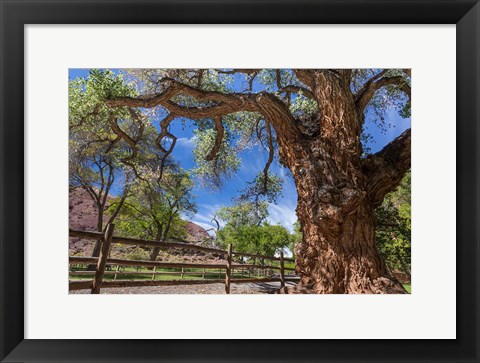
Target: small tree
[
  {"x": 98, "y": 158},
  {"x": 247, "y": 230},
  {"x": 265, "y": 239},
  {"x": 156, "y": 206},
  {"x": 244, "y": 214}
]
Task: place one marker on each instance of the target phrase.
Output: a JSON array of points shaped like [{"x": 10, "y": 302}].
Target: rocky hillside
[
  {"x": 82, "y": 211},
  {"x": 83, "y": 216}
]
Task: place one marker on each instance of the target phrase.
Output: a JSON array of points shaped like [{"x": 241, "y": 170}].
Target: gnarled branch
[
  {"x": 122, "y": 134},
  {"x": 223, "y": 103},
  {"x": 164, "y": 133},
  {"x": 385, "y": 169},
  {"x": 367, "y": 92},
  {"x": 270, "y": 156}
]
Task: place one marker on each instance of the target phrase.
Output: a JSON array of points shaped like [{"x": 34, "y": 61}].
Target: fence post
[
  {"x": 102, "y": 259},
  {"x": 282, "y": 270},
  {"x": 229, "y": 269},
  {"x": 116, "y": 271}
]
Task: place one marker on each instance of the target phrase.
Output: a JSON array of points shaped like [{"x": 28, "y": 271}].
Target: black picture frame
[{"x": 16, "y": 13}]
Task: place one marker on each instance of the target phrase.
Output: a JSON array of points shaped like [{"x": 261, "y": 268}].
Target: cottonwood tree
[
  {"x": 312, "y": 119},
  {"x": 96, "y": 174},
  {"x": 99, "y": 159},
  {"x": 247, "y": 229},
  {"x": 244, "y": 214},
  {"x": 157, "y": 204}
]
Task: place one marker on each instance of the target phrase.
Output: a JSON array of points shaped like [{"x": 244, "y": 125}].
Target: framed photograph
[{"x": 240, "y": 181}]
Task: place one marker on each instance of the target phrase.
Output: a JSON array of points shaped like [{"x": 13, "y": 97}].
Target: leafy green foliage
[
  {"x": 247, "y": 230},
  {"x": 155, "y": 208},
  {"x": 296, "y": 237},
  {"x": 303, "y": 108},
  {"x": 264, "y": 239},
  {"x": 212, "y": 172},
  {"x": 96, "y": 155},
  {"x": 393, "y": 234},
  {"x": 270, "y": 189},
  {"x": 244, "y": 214}
]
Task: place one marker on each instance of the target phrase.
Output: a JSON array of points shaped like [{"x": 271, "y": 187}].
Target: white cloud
[
  {"x": 283, "y": 214},
  {"x": 186, "y": 142}
]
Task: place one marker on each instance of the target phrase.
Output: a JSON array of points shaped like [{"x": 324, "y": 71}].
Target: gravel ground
[{"x": 257, "y": 288}]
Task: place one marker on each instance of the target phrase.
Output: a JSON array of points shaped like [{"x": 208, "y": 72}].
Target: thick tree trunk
[
  {"x": 335, "y": 200},
  {"x": 98, "y": 242},
  {"x": 338, "y": 252},
  {"x": 156, "y": 250},
  {"x": 339, "y": 255}
]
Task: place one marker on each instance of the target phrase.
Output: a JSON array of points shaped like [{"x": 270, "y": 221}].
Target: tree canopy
[{"x": 312, "y": 121}]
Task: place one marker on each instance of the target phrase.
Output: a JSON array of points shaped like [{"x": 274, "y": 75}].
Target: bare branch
[
  {"x": 108, "y": 185},
  {"x": 122, "y": 134},
  {"x": 91, "y": 192},
  {"x": 270, "y": 156},
  {"x": 278, "y": 77},
  {"x": 164, "y": 133},
  {"x": 120, "y": 203}
]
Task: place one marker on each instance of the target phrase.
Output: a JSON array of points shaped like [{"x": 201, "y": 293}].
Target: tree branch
[
  {"x": 122, "y": 134},
  {"x": 367, "y": 92},
  {"x": 385, "y": 169},
  {"x": 297, "y": 89},
  {"x": 164, "y": 132},
  {"x": 91, "y": 191},
  {"x": 218, "y": 140},
  {"x": 110, "y": 180},
  {"x": 224, "y": 103},
  {"x": 305, "y": 76},
  {"x": 270, "y": 157}
]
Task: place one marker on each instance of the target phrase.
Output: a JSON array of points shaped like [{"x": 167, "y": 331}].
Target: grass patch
[
  {"x": 408, "y": 287},
  {"x": 132, "y": 273}
]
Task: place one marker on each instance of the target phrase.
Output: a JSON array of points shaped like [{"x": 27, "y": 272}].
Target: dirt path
[{"x": 214, "y": 289}]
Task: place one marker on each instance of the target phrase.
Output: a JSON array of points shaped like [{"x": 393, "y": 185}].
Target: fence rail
[{"x": 230, "y": 269}]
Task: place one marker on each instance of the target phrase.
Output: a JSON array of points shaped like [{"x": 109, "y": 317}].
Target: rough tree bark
[
  {"x": 336, "y": 197},
  {"x": 337, "y": 194},
  {"x": 337, "y": 189}
]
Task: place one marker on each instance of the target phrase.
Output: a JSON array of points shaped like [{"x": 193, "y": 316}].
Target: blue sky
[{"x": 253, "y": 160}]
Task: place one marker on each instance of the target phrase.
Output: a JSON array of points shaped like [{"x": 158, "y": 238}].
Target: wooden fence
[{"x": 231, "y": 270}]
